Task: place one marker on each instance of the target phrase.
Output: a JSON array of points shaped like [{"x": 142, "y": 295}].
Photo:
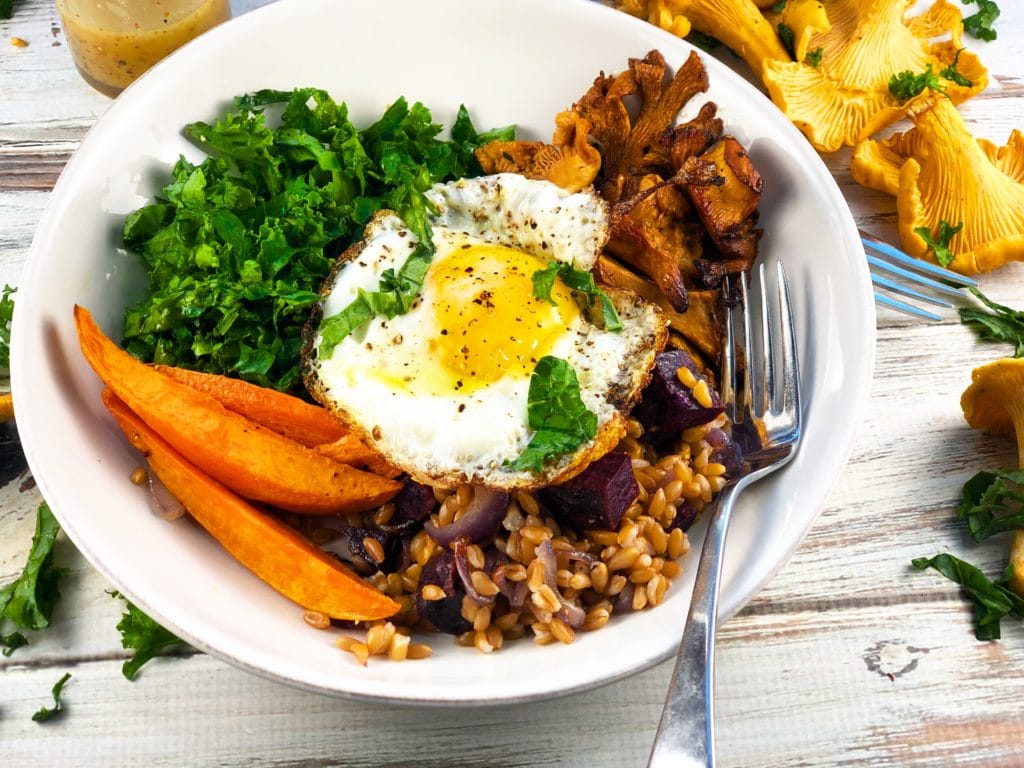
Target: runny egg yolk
[{"x": 485, "y": 322}]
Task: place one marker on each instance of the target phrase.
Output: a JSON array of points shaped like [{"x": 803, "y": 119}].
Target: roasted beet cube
[
  {"x": 597, "y": 497},
  {"x": 445, "y": 614},
  {"x": 668, "y": 405},
  {"x": 413, "y": 505},
  {"x": 686, "y": 515},
  {"x": 365, "y": 560}
]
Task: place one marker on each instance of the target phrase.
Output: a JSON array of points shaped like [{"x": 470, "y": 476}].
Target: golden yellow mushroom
[
  {"x": 846, "y": 97},
  {"x": 939, "y": 172},
  {"x": 994, "y": 403},
  {"x": 805, "y": 19},
  {"x": 739, "y": 24}
]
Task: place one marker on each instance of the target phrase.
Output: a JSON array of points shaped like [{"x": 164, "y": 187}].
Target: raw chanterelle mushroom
[
  {"x": 939, "y": 172},
  {"x": 994, "y": 402},
  {"x": 738, "y": 24},
  {"x": 845, "y": 96}
]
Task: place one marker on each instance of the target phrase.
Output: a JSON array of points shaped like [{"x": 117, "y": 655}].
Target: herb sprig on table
[
  {"x": 979, "y": 24},
  {"x": 1000, "y": 324},
  {"x": 28, "y": 601},
  {"x": 237, "y": 246},
  {"x": 142, "y": 634}
]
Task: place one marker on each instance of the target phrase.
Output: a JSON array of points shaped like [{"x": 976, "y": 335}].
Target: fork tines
[
  {"x": 910, "y": 277},
  {"x": 760, "y": 375}
]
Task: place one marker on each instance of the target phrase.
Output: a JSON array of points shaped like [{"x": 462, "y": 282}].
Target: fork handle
[{"x": 686, "y": 733}]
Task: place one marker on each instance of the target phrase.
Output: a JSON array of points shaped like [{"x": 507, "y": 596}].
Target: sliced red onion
[
  {"x": 463, "y": 569},
  {"x": 570, "y": 613},
  {"x": 478, "y": 523},
  {"x": 624, "y": 600},
  {"x": 576, "y": 554},
  {"x": 546, "y": 554},
  {"x": 163, "y": 502},
  {"x": 717, "y": 438}
]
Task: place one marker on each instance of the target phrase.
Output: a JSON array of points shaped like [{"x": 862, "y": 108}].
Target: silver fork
[
  {"x": 686, "y": 736},
  {"x": 916, "y": 279}
]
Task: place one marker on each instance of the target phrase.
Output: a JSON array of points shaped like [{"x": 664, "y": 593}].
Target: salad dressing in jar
[{"x": 114, "y": 41}]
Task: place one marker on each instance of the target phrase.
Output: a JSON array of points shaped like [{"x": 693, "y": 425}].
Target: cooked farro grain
[
  {"x": 399, "y": 648},
  {"x": 316, "y": 620},
  {"x": 139, "y": 476},
  {"x": 568, "y": 581},
  {"x": 562, "y": 631},
  {"x": 418, "y": 651}
]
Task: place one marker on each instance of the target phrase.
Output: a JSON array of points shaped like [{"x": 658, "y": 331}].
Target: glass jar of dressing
[{"x": 114, "y": 41}]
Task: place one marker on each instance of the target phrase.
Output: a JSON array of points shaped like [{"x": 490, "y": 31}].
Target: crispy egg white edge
[{"x": 609, "y": 395}]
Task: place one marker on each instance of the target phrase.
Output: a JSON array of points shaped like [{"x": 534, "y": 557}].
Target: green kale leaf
[
  {"x": 787, "y": 37},
  {"x": 6, "y": 9},
  {"x": 145, "y": 636},
  {"x": 993, "y": 502},
  {"x": 578, "y": 280},
  {"x": 703, "y": 41},
  {"x": 28, "y": 601},
  {"x": 6, "y": 316},
  {"x": 12, "y": 642},
  {"x": 556, "y": 412},
  {"x": 48, "y": 713},
  {"x": 953, "y": 74},
  {"x": 906, "y": 85},
  {"x": 993, "y": 600},
  {"x": 1001, "y": 324},
  {"x": 939, "y": 244},
  {"x": 237, "y": 246},
  {"x": 979, "y": 24},
  {"x": 813, "y": 58}
]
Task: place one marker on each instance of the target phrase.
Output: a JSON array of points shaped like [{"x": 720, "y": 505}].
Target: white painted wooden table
[{"x": 846, "y": 658}]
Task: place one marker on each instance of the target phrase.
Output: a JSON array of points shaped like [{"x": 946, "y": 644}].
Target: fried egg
[{"x": 441, "y": 391}]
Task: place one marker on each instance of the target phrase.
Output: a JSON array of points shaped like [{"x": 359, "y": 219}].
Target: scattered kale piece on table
[
  {"x": 141, "y": 633},
  {"x": 6, "y": 315},
  {"x": 6, "y": 9},
  {"x": 993, "y": 600},
  {"x": 993, "y": 502},
  {"x": 1001, "y": 324},
  {"x": 237, "y": 246},
  {"x": 48, "y": 713},
  {"x": 979, "y": 24},
  {"x": 28, "y": 601}
]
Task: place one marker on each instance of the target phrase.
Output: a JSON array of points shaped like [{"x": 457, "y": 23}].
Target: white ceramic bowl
[{"x": 509, "y": 63}]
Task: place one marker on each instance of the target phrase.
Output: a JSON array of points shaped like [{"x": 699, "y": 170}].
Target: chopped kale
[
  {"x": 1001, "y": 324},
  {"x": 561, "y": 421},
  {"x": 28, "y": 601},
  {"x": 48, "y": 713},
  {"x": 939, "y": 243},
  {"x": 993, "y": 600},
  {"x": 578, "y": 280},
  {"x": 237, "y": 246},
  {"x": 145, "y": 636},
  {"x": 979, "y": 24}
]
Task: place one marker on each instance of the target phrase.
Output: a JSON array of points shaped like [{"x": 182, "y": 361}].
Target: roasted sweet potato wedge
[
  {"x": 259, "y": 541},
  {"x": 255, "y": 462},
  {"x": 296, "y": 419}
]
